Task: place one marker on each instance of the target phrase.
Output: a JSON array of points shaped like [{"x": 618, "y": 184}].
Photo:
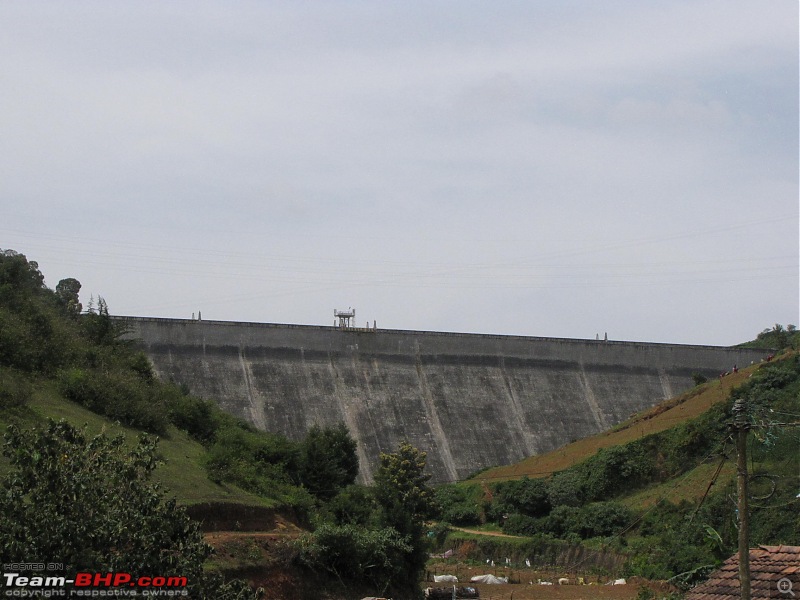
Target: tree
[
  {"x": 87, "y": 502},
  {"x": 372, "y": 556},
  {"x": 328, "y": 460},
  {"x": 566, "y": 488},
  {"x": 401, "y": 489},
  {"x": 525, "y": 496},
  {"x": 67, "y": 292},
  {"x": 18, "y": 276}
]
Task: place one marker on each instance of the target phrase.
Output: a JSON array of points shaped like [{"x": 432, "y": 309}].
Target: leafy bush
[
  {"x": 567, "y": 488},
  {"x": 372, "y": 556},
  {"x": 562, "y": 520},
  {"x": 88, "y": 502},
  {"x": 458, "y": 503},
  {"x": 199, "y": 418},
  {"x": 117, "y": 395},
  {"x": 518, "y": 524},
  {"x": 526, "y": 496},
  {"x": 601, "y": 519},
  {"x": 776, "y": 338},
  {"x": 354, "y": 505},
  {"x": 258, "y": 462}
]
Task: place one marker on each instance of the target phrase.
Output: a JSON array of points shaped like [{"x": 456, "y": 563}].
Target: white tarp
[
  {"x": 445, "y": 579},
  {"x": 488, "y": 579}
]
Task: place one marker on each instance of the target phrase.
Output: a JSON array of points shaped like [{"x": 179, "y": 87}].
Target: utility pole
[{"x": 741, "y": 426}]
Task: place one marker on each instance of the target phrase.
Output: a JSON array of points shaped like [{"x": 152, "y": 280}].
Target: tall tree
[
  {"x": 67, "y": 292},
  {"x": 401, "y": 489},
  {"x": 328, "y": 460}
]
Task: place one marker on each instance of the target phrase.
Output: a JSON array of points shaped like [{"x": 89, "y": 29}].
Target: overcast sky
[{"x": 546, "y": 168}]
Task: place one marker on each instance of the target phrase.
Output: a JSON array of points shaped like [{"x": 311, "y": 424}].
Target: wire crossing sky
[{"x": 561, "y": 169}]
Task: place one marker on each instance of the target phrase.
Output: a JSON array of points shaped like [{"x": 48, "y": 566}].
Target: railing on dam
[{"x": 415, "y": 332}]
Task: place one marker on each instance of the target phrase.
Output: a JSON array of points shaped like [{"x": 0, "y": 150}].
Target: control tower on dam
[{"x": 469, "y": 400}]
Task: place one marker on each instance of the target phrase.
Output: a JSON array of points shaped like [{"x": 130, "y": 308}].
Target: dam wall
[{"x": 471, "y": 401}]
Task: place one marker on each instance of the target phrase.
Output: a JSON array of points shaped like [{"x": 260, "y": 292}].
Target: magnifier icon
[{"x": 785, "y": 586}]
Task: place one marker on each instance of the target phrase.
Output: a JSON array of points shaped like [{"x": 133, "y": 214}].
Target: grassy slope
[
  {"x": 659, "y": 418},
  {"x": 182, "y": 473}
]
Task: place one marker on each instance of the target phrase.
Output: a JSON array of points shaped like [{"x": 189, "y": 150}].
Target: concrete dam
[{"x": 470, "y": 400}]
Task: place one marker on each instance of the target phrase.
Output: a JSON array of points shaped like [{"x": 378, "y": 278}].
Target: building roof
[{"x": 768, "y": 565}]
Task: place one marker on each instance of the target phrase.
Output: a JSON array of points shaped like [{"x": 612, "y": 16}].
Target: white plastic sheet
[{"x": 488, "y": 579}]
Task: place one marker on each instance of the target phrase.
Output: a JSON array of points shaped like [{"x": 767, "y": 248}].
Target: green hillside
[{"x": 182, "y": 472}]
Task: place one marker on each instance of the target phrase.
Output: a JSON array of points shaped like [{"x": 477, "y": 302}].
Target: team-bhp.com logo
[{"x": 83, "y": 584}]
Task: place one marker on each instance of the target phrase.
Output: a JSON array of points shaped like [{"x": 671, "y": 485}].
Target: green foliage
[
  {"x": 562, "y": 520},
  {"x": 679, "y": 538},
  {"x": 518, "y": 524},
  {"x": 374, "y": 535},
  {"x": 262, "y": 463},
  {"x": 619, "y": 470},
  {"x": 199, "y": 418},
  {"x": 567, "y": 488},
  {"x": 354, "y": 505},
  {"x": 118, "y": 395},
  {"x": 67, "y": 293},
  {"x": 459, "y": 503},
  {"x": 401, "y": 490},
  {"x": 602, "y": 519},
  {"x": 19, "y": 278},
  {"x": 776, "y": 338},
  {"x": 15, "y": 388},
  {"x": 43, "y": 334},
  {"x": 372, "y": 556},
  {"x": 525, "y": 496},
  {"x": 88, "y": 502},
  {"x": 328, "y": 460}
]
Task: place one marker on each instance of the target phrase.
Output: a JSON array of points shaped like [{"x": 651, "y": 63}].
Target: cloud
[{"x": 514, "y": 167}]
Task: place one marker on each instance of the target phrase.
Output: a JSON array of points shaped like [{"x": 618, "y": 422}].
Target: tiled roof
[{"x": 768, "y": 565}]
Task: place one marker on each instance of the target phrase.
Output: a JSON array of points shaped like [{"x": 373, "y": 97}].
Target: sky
[{"x": 543, "y": 168}]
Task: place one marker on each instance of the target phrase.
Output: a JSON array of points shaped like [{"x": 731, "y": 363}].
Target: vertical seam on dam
[
  {"x": 352, "y": 425},
  {"x": 666, "y": 386},
  {"x": 523, "y": 431},
  {"x": 433, "y": 420},
  {"x": 256, "y": 414},
  {"x": 591, "y": 400}
]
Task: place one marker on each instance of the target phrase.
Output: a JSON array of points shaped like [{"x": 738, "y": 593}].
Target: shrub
[
  {"x": 518, "y": 524},
  {"x": 354, "y": 505},
  {"x": 195, "y": 416},
  {"x": 525, "y": 496},
  {"x": 458, "y": 503},
  {"x": 566, "y": 489},
  {"x": 15, "y": 388},
  {"x": 372, "y": 556},
  {"x": 117, "y": 395},
  {"x": 601, "y": 519}
]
